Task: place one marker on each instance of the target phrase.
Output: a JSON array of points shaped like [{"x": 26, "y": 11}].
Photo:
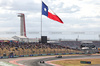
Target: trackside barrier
[
  {"x": 16, "y": 56},
  {"x": 35, "y": 55},
  {"x": 77, "y": 53},
  {"x": 80, "y": 53},
  {"x": 26, "y": 55},
  {"x": 63, "y": 53},
  {"x": 30, "y": 55},
  {"x": 52, "y": 54},
  {"x": 2, "y": 57},
  {"x": 39, "y": 54},
  {"x": 59, "y": 53},
  {"x": 44, "y": 54},
  {"x": 67, "y": 53},
  {"x": 83, "y": 53},
  {"x": 74, "y": 53},
  {"x": 56, "y": 53},
  {"x": 70, "y": 53},
  {"x": 48, "y": 54},
  {"x": 11, "y": 56},
  {"x": 21, "y": 56}
]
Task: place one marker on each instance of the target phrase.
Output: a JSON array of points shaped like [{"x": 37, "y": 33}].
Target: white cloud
[
  {"x": 87, "y": 7},
  {"x": 73, "y": 9},
  {"x": 32, "y": 15},
  {"x": 76, "y": 14},
  {"x": 5, "y": 29}
]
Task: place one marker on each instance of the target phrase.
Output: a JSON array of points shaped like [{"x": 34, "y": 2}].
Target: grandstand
[
  {"x": 16, "y": 48},
  {"x": 13, "y": 48},
  {"x": 71, "y": 44},
  {"x": 76, "y": 44}
]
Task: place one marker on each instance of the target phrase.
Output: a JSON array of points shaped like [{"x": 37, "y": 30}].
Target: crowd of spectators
[
  {"x": 62, "y": 44},
  {"x": 24, "y": 45},
  {"x": 77, "y": 44},
  {"x": 17, "y": 45},
  {"x": 32, "y": 45}
]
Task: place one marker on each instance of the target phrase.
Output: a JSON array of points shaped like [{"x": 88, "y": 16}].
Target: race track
[{"x": 36, "y": 62}]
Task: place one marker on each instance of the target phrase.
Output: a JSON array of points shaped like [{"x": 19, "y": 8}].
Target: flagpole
[
  {"x": 41, "y": 18},
  {"x": 41, "y": 21}
]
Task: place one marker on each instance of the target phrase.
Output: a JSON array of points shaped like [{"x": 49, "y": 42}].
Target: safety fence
[
  {"x": 13, "y": 56},
  {"x": 23, "y": 51},
  {"x": 20, "y": 52}
]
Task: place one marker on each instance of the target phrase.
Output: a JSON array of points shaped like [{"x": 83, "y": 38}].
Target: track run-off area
[{"x": 35, "y": 61}]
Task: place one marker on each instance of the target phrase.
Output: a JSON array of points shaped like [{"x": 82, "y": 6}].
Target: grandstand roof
[
  {"x": 20, "y": 36},
  {"x": 86, "y": 41},
  {"x": 6, "y": 38},
  {"x": 52, "y": 41}
]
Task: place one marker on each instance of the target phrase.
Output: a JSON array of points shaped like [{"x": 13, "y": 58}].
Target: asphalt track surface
[{"x": 36, "y": 62}]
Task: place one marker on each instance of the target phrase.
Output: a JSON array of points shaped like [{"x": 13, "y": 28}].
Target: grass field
[{"x": 76, "y": 62}]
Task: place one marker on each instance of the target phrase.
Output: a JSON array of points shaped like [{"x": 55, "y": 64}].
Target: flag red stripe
[{"x": 54, "y": 17}]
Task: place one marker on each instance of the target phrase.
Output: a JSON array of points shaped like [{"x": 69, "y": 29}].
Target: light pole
[{"x": 99, "y": 37}]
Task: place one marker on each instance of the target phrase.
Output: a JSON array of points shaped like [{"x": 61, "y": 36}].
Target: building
[{"x": 21, "y": 38}]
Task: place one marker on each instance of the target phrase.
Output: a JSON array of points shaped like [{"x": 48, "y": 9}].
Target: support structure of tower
[{"x": 22, "y": 24}]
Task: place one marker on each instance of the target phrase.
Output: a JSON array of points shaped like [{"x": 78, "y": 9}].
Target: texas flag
[{"x": 49, "y": 13}]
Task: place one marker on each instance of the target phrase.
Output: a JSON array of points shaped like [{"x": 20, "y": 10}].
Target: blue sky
[{"x": 78, "y": 16}]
